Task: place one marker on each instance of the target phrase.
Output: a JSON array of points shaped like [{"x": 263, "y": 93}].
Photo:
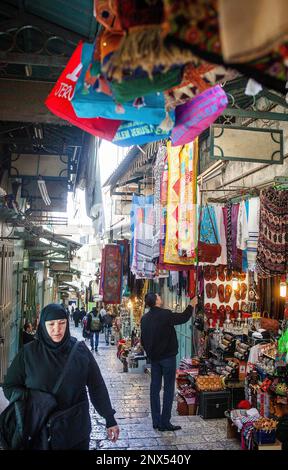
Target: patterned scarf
[
  {"x": 187, "y": 226},
  {"x": 171, "y": 253},
  {"x": 158, "y": 171},
  {"x": 272, "y": 254}
]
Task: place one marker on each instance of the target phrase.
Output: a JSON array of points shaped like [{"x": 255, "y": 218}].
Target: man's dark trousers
[{"x": 165, "y": 368}]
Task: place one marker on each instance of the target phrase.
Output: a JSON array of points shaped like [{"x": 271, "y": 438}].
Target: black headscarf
[{"x": 53, "y": 312}]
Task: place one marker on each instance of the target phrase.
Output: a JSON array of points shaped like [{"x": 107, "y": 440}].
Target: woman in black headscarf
[{"x": 39, "y": 364}]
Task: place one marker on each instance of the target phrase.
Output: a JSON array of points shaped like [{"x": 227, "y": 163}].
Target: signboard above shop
[{"x": 248, "y": 144}]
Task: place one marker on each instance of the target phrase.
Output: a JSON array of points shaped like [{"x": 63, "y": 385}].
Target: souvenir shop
[{"x": 150, "y": 76}]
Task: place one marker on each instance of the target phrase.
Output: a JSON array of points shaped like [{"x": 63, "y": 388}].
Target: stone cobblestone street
[{"x": 129, "y": 393}]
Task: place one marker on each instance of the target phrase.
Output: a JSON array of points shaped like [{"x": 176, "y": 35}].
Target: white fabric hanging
[
  {"x": 222, "y": 234},
  {"x": 242, "y": 227},
  {"x": 253, "y": 231}
]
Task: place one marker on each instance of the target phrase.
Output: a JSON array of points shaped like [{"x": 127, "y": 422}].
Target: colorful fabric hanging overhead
[
  {"x": 194, "y": 117},
  {"x": 89, "y": 103},
  {"x": 198, "y": 76},
  {"x": 171, "y": 253},
  {"x": 272, "y": 253},
  {"x": 105, "y": 12},
  {"x": 138, "y": 133},
  {"x": 59, "y": 101},
  {"x": 196, "y": 25},
  {"x": 112, "y": 274},
  {"x": 263, "y": 27}
]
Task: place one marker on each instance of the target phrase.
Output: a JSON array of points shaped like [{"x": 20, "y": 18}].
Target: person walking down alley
[
  {"x": 107, "y": 322},
  {"x": 27, "y": 335},
  {"x": 77, "y": 317},
  {"x": 66, "y": 365},
  {"x": 94, "y": 326},
  {"x": 159, "y": 340}
]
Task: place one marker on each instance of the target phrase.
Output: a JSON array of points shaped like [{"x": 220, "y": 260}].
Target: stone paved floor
[{"x": 129, "y": 394}]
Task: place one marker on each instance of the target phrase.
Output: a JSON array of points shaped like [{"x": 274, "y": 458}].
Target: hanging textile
[
  {"x": 171, "y": 254},
  {"x": 192, "y": 283},
  {"x": 194, "y": 25},
  {"x": 207, "y": 232},
  {"x": 222, "y": 234},
  {"x": 59, "y": 101},
  {"x": 263, "y": 26},
  {"x": 112, "y": 277},
  {"x": 89, "y": 103},
  {"x": 125, "y": 247},
  {"x": 242, "y": 227},
  {"x": 236, "y": 253},
  {"x": 187, "y": 226},
  {"x": 143, "y": 221},
  {"x": 102, "y": 272},
  {"x": 158, "y": 172},
  {"x": 272, "y": 253},
  {"x": 253, "y": 232},
  {"x": 193, "y": 117},
  {"x": 227, "y": 213},
  {"x": 198, "y": 76}
]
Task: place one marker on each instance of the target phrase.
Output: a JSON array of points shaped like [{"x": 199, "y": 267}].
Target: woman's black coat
[{"x": 38, "y": 367}]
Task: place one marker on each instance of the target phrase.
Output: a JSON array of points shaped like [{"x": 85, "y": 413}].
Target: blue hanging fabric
[
  {"x": 90, "y": 103},
  {"x": 138, "y": 133},
  {"x": 206, "y": 232}
]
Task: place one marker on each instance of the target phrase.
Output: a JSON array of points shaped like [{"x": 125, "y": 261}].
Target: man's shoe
[
  {"x": 92, "y": 349},
  {"x": 170, "y": 427},
  {"x": 156, "y": 426}
]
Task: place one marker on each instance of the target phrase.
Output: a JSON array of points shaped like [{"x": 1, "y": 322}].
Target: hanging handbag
[{"x": 208, "y": 252}]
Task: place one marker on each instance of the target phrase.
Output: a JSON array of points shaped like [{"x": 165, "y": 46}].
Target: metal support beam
[
  {"x": 33, "y": 59},
  {"x": 25, "y": 19},
  {"x": 255, "y": 114}
]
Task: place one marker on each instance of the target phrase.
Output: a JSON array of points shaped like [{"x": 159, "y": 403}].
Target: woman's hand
[
  {"x": 194, "y": 302},
  {"x": 113, "y": 433}
]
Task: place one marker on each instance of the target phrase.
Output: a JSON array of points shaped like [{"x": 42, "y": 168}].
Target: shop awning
[{"x": 134, "y": 168}]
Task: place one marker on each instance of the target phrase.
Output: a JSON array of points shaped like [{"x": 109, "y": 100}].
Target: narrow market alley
[{"x": 129, "y": 393}]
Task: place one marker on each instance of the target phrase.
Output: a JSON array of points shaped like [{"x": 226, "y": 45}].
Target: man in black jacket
[{"x": 158, "y": 337}]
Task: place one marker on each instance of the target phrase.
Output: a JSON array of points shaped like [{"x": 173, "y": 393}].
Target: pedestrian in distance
[
  {"x": 77, "y": 317},
  {"x": 83, "y": 313},
  {"x": 107, "y": 322},
  {"x": 55, "y": 360},
  {"x": 159, "y": 340},
  {"x": 27, "y": 335},
  {"x": 94, "y": 326}
]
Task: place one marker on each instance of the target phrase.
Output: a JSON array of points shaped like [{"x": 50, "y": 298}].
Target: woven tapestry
[{"x": 112, "y": 275}]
